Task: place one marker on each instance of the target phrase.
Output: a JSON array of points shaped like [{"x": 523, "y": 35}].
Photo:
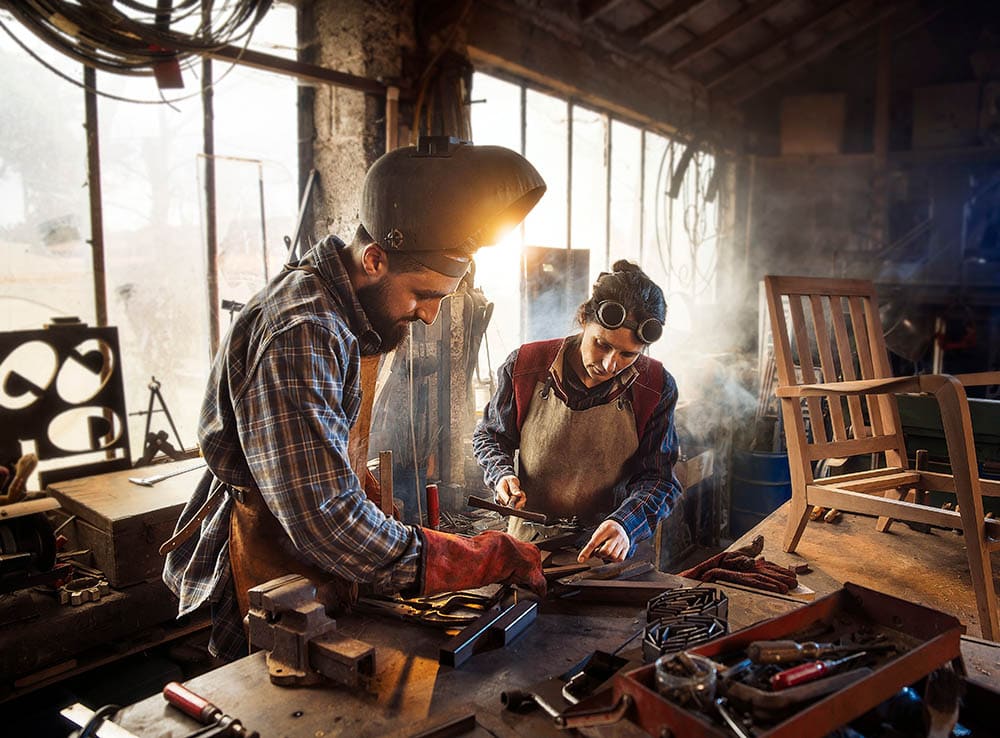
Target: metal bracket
[{"x": 304, "y": 647}]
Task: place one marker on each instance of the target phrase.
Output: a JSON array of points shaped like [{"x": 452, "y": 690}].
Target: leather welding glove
[{"x": 452, "y": 563}]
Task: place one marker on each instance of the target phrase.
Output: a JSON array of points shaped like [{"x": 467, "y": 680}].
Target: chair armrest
[
  {"x": 856, "y": 387},
  {"x": 978, "y": 379}
]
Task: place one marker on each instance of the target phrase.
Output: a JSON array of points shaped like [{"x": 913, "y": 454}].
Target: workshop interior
[{"x": 754, "y": 496}]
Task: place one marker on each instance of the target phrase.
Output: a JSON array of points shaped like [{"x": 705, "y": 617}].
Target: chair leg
[
  {"x": 920, "y": 464},
  {"x": 968, "y": 492},
  {"x": 884, "y": 523},
  {"x": 798, "y": 516}
]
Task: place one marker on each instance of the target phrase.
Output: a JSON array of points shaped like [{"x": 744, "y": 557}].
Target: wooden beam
[
  {"x": 728, "y": 70},
  {"x": 663, "y": 21},
  {"x": 719, "y": 33},
  {"x": 590, "y": 9},
  {"x": 297, "y": 69},
  {"x": 817, "y": 52}
]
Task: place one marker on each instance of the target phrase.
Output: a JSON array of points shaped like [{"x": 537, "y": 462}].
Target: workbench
[{"x": 412, "y": 692}]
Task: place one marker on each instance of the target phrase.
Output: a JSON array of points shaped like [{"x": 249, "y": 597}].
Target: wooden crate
[{"x": 123, "y": 524}]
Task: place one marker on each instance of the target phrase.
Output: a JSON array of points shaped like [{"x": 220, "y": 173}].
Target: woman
[{"x": 591, "y": 420}]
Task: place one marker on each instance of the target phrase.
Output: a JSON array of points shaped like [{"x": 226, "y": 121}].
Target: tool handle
[
  {"x": 799, "y": 675},
  {"x": 533, "y": 517},
  {"x": 780, "y": 652},
  {"x": 190, "y": 703}
]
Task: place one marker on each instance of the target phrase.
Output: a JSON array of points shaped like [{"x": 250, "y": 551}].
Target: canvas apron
[
  {"x": 259, "y": 548},
  {"x": 570, "y": 460}
]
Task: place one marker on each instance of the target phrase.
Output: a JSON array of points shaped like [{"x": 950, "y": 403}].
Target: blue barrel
[{"x": 761, "y": 483}]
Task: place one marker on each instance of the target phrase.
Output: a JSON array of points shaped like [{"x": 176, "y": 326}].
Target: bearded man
[{"x": 285, "y": 420}]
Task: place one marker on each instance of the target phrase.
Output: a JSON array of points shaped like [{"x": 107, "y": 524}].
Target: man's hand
[
  {"x": 610, "y": 542},
  {"x": 509, "y": 492}
]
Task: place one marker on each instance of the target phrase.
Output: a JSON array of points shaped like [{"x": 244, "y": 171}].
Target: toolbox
[
  {"x": 122, "y": 523},
  {"x": 929, "y": 638}
]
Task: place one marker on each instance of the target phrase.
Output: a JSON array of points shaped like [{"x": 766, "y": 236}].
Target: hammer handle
[{"x": 190, "y": 703}]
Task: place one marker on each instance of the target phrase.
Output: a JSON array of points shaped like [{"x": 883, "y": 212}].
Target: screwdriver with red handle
[
  {"x": 809, "y": 672},
  {"x": 205, "y": 713}
]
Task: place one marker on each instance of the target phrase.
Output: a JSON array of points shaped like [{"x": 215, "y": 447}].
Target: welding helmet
[{"x": 440, "y": 200}]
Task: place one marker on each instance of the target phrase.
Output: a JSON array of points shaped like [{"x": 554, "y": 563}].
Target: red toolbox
[{"x": 928, "y": 638}]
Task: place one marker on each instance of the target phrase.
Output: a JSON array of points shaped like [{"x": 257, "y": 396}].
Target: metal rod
[
  {"x": 94, "y": 191},
  {"x": 533, "y": 517},
  {"x": 211, "y": 232}
]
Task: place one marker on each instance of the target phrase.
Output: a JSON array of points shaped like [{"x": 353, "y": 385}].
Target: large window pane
[
  {"x": 546, "y": 148},
  {"x": 45, "y": 266},
  {"x": 496, "y": 120},
  {"x": 590, "y": 182},
  {"x": 626, "y": 192}
]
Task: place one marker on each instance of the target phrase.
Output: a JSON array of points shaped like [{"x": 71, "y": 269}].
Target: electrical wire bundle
[{"x": 130, "y": 37}]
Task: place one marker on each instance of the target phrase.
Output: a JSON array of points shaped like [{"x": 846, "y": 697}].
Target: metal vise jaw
[{"x": 303, "y": 645}]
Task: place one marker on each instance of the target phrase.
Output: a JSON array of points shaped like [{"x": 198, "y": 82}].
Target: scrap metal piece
[
  {"x": 497, "y": 628},
  {"x": 85, "y": 589},
  {"x": 302, "y": 643},
  {"x": 80, "y": 715}
]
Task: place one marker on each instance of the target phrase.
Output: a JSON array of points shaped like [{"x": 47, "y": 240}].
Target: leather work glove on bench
[{"x": 738, "y": 568}]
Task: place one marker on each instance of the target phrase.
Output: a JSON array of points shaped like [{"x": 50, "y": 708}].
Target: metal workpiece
[
  {"x": 484, "y": 504},
  {"x": 495, "y": 629},
  {"x": 303, "y": 644}
]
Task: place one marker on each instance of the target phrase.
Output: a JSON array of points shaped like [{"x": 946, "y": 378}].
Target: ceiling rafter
[
  {"x": 590, "y": 9},
  {"x": 719, "y": 33},
  {"x": 816, "y": 52},
  {"x": 726, "y": 71},
  {"x": 663, "y": 21}
]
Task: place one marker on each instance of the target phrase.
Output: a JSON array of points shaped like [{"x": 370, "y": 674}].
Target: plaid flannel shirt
[
  {"x": 283, "y": 394},
  {"x": 648, "y": 492}
]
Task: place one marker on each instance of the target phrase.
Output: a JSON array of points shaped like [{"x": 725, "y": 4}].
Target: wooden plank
[
  {"x": 663, "y": 21},
  {"x": 847, "y": 366},
  {"x": 853, "y": 447},
  {"x": 831, "y": 42},
  {"x": 28, "y": 507},
  {"x": 820, "y": 286},
  {"x": 828, "y": 366},
  {"x": 863, "y": 347},
  {"x": 858, "y": 502},
  {"x": 867, "y": 474},
  {"x": 785, "y": 36},
  {"x": 292, "y": 68},
  {"x": 880, "y": 483},
  {"x": 719, "y": 33},
  {"x": 978, "y": 379},
  {"x": 946, "y": 483},
  {"x": 806, "y": 365}
]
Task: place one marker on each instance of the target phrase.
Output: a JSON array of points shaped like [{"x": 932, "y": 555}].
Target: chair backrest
[{"x": 829, "y": 330}]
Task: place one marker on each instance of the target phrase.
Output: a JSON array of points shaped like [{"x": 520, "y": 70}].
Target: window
[
  {"x": 153, "y": 203},
  {"x": 611, "y": 191}
]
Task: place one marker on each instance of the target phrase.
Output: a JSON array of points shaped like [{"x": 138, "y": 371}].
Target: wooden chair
[{"x": 849, "y": 393}]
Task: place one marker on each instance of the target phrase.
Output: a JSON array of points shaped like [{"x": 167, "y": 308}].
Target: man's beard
[{"x": 373, "y": 299}]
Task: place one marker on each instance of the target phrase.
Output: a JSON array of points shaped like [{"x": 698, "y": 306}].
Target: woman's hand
[
  {"x": 509, "y": 492},
  {"x": 610, "y": 542}
]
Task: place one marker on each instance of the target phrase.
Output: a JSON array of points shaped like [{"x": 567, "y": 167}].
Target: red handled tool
[
  {"x": 205, "y": 713},
  {"x": 433, "y": 506},
  {"x": 809, "y": 672}
]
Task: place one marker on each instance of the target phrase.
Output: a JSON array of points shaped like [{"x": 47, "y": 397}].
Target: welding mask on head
[{"x": 440, "y": 200}]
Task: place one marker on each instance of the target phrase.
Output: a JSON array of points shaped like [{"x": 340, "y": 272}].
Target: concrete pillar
[{"x": 369, "y": 38}]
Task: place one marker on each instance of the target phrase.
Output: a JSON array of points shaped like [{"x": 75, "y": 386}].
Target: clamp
[{"x": 303, "y": 645}]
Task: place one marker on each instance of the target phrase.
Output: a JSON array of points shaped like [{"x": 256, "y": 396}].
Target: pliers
[{"x": 447, "y": 610}]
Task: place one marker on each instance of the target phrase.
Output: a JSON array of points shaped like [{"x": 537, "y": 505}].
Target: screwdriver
[
  {"x": 780, "y": 652},
  {"x": 809, "y": 672}
]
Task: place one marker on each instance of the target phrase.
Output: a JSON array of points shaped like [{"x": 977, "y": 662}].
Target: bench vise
[{"x": 303, "y": 645}]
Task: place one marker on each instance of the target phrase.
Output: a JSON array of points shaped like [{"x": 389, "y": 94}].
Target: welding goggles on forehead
[{"x": 612, "y": 315}]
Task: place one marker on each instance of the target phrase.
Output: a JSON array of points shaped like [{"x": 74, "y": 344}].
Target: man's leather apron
[
  {"x": 259, "y": 548},
  {"x": 570, "y": 460}
]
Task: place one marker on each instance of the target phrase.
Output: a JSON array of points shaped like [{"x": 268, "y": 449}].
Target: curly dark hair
[{"x": 630, "y": 286}]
